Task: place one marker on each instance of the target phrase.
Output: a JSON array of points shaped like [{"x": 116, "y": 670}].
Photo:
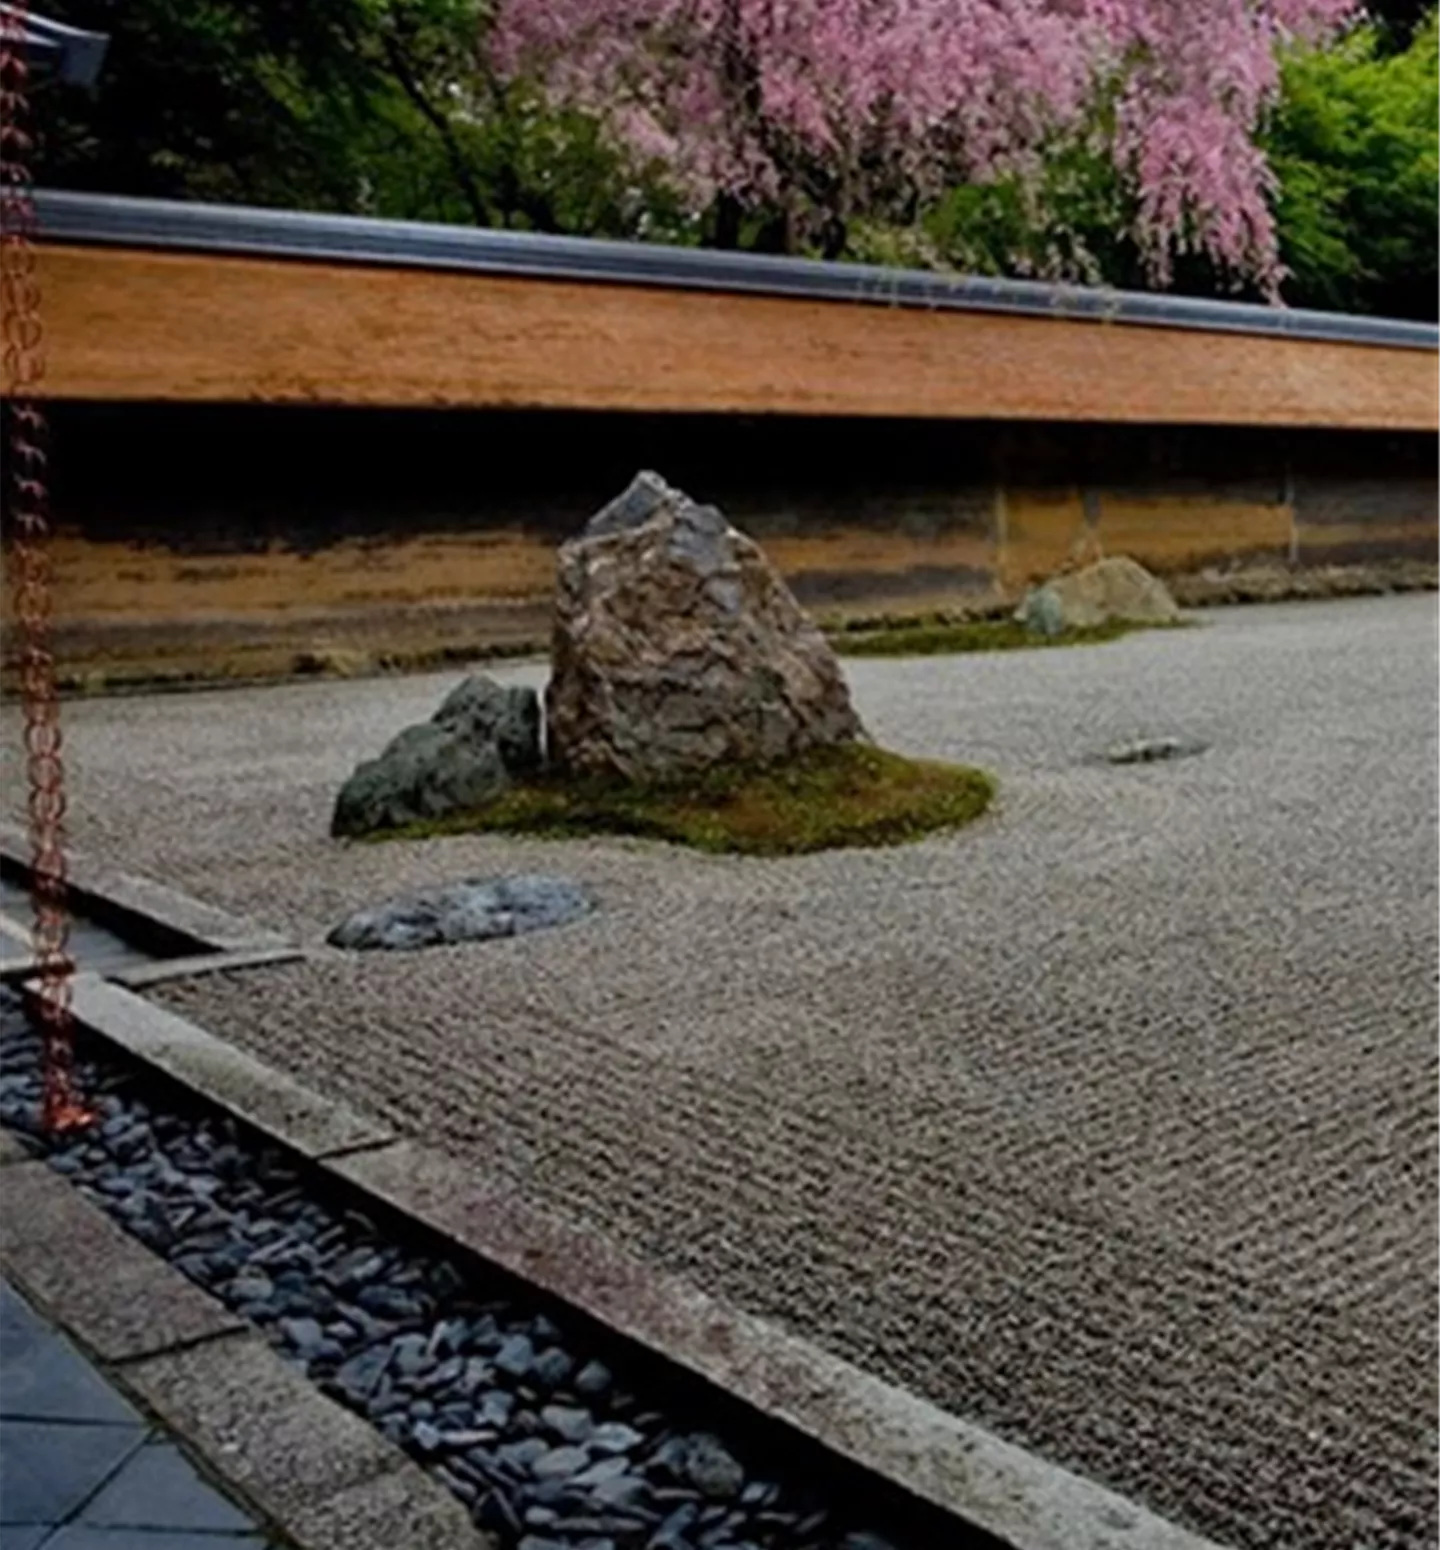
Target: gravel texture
[
  {"x": 1108, "y": 1122},
  {"x": 550, "y": 1447}
]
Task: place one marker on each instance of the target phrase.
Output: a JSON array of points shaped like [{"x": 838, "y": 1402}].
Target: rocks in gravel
[
  {"x": 474, "y": 911},
  {"x": 593, "y": 1380},
  {"x": 482, "y": 737},
  {"x": 1152, "y": 750},
  {"x": 568, "y": 1423},
  {"x": 677, "y": 647},
  {"x": 710, "y": 1467},
  {"x": 516, "y": 1357},
  {"x": 615, "y": 1437},
  {"x": 1117, "y": 588}
]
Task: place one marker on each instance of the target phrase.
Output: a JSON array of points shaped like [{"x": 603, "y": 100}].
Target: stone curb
[
  {"x": 944, "y": 1461},
  {"x": 151, "y": 912},
  {"x": 265, "y": 1099},
  {"x": 205, "y": 963},
  {"x": 321, "y": 1477}
]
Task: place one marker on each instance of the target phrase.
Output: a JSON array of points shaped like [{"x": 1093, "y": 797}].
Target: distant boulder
[{"x": 1112, "y": 589}]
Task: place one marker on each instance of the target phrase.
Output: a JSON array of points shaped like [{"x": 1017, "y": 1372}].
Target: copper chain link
[{"x": 28, "y": 505}]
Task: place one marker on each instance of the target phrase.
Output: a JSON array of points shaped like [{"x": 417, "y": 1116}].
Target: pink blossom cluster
[{"x": 889, "y": 99}]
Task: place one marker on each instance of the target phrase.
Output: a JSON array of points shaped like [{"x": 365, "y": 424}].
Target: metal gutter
[
  {"x": 69, "y": 54},
  {"x": 110, "y": 220}
]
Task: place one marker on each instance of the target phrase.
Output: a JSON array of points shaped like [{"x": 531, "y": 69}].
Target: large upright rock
[
  {"x": 677, "y": 648},
  {"x": 464, "y": 756}
]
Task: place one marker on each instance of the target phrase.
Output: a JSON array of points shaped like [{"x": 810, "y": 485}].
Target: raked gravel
[{"x": 1108, "y": 1122}]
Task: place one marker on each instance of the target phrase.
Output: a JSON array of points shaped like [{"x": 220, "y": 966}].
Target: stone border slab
[
  {"x": 265, "y": 1099},
  {"x": 946, "y": 1462},
  {"x": 119, "y": 1299},
  {"x": 286, "y": 1445},
  {"x": 940, "y": 1459},
  {"x": 150, "y": 913},
  {"x": 322, "y": 1477},
  {"x": 205, "y": 963},
  {"x": 12, "y": 1150}
]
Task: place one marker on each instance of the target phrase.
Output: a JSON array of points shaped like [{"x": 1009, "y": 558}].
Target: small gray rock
[
  {"x": 560, "y": 1463},
  {"x": 516, "y": 1357},
  {"x": 710, "y": 1467},
  {"x": 1041, "y": 613},
  {"x": 593, "y": 1380},
  {"x": 463, "y": 757},
  {"x": 568, "y": 1423},
  {"x": 1150, "y": 750},
  {"x": 615, "y": 1437},
  {"x": 304, "y": 1334},
  {"x": 522, "y": 1455},
  {"x": 603, "y": 1471},
  {"x": 553, "y": 1366},
  {"x": 252, "y": 1286}
]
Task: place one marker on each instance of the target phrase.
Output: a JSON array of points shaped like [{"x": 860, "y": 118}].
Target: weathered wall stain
[{"x": 203, "y": 531}]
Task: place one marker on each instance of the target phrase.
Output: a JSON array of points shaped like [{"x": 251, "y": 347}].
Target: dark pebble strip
[{"x": 550, "y": 1446}]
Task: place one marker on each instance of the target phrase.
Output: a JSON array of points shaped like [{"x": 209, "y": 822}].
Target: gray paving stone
[
  {"x": 26, "y": 1536},
  {"x": 48, "y": 1469},
  {"x": 46, "y": 1378},
  {"x": 82, "y": 1536},
  {"x": 158, "y": 1488},
  {"x": 20, "y": 1324},
  {"x": 53, "y": 1382}
]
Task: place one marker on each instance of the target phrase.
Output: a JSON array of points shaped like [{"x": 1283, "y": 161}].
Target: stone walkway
[{"x": 81, "y": 1469}]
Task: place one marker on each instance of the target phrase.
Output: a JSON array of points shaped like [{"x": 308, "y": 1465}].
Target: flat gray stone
[
  {"x": 272, "y": 1434},
  {"x": 48, "y": 1468},
  {"x": 473, "y": 911},
  {"x": 117, "y": 1297},
  {"x": 1152, "y": 750},
  {"x": 158, "y": 1488}
]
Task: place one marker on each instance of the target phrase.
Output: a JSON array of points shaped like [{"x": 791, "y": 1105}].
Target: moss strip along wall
[{"x": 230, "y": 539}]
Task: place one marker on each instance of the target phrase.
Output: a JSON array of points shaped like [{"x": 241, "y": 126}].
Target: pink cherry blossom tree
[{"x": 824, "y": 109}]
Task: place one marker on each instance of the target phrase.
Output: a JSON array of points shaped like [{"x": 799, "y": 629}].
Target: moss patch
[
  {"x": 830, "y": 798},
  {"x": 928, "y": 638}
]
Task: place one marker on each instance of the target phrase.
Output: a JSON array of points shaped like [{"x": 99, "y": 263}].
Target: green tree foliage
[
  {"x": 386, "y": 107},
  {"x": 1356, "y": 147},
  {"x": 376, "y": 107}
]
